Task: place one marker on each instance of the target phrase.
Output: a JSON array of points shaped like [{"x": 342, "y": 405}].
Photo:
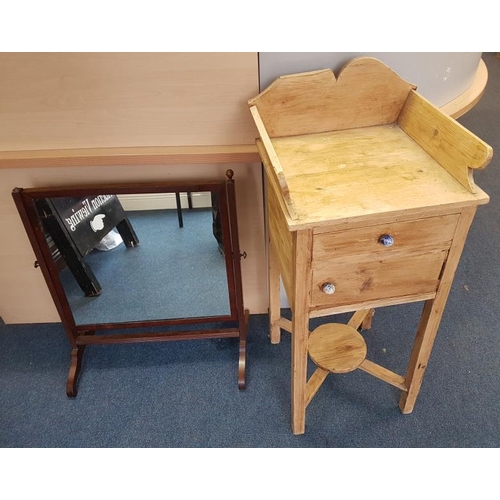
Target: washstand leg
[
  {"x": 367, "y": 322},
  {"x": 274, "y": 296},
  {"x": 300, "y": 328}
]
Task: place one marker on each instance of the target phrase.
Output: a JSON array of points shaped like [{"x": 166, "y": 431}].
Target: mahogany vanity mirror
[{"x": 132, "y": 263}]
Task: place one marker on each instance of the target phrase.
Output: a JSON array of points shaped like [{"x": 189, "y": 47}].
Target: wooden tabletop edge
[{"x": 240, "y": 153}]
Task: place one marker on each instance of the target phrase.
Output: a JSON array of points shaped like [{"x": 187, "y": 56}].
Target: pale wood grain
[
  {"x": 274, "y": 289},
  {"x": 370, "y": 279},
  {"x": 453, "y": 146},
  {"x": 384, "y": 374},
  {"x": 314, "y": 383},
  {"x": 190, "y": 154},
  {"x": 367, "y": 92},
  {"x": 337, "y": 348},
  {"x": 387, "y": 218},
  {"x": 286, "y": 324},
  {"x": 349, "y": 186},
  {"x": 367, "y": 322},
  {"x": 180, "y": 155},
  {"x": 281, "y": 241},
  {"x": 359, "y": 317},
  {"x": 320, "y": 311},
  {"x": 300, "y": 326},
  {"x": 272, "y": 164},
  {"x": 356, "y": 174},
  {"x": 274, "y": 294},
  {"x": 410, "y": 237},
  {"x": 282, "y": 193},
  {"x": 100, "y": 100}
]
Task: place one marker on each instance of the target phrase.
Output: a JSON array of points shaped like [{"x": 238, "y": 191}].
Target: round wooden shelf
[{"x": 337, "y": 348}]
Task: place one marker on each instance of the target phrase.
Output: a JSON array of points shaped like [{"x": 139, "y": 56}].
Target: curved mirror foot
[
  {"x": 243, "y": 352},
  {"x": 74, "y": 371}
]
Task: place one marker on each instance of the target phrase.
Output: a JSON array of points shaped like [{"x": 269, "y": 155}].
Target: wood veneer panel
[{"x": 100, "y": 100}]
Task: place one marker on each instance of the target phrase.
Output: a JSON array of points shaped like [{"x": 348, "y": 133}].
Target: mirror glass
[{"x": 138, "y": 257}]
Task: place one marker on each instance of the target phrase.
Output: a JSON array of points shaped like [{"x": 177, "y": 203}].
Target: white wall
[{"x": 163, "y": 201}]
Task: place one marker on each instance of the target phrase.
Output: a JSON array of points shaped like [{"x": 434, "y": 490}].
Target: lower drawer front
[{"x": 366, "y": 280}]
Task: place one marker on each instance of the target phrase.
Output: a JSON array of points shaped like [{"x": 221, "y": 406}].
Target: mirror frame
[{"x": 80, "y": 335}]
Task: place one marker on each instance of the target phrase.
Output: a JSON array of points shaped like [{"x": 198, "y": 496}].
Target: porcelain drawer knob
[
  {"x": 387, "y": 240},
  {"x": 328, "y": 288}
]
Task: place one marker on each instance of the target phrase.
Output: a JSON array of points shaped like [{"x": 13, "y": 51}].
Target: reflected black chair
[{"x": 179, "y": 208}]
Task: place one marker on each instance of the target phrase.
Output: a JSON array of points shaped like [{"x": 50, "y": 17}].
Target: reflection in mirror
[{"x": 138, "y": 257}]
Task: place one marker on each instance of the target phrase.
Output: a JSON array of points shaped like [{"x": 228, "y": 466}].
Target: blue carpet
[
  {"x": 173, "y": 273},
  {"x": 184, "y": 394}
]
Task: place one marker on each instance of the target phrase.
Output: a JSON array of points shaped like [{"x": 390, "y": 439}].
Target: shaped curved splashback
[{"x": 439, "y": 76}]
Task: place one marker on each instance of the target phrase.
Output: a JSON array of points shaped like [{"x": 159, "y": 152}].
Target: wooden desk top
[{"x": 79, "y": 109}]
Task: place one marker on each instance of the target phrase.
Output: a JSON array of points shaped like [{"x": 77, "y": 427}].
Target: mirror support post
[{"x": 243, "y": 315}]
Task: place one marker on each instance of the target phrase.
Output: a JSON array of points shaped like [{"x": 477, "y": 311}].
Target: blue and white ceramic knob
[
  {"x": 329, "y": 288},
  {"x": 387, "y": 240}
]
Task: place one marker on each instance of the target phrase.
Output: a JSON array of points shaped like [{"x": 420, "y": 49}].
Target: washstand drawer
[
  {"x": 408, "y": 237},
  {"x": 343, "y": 282},
  {"x": 381, "y": 261}
]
